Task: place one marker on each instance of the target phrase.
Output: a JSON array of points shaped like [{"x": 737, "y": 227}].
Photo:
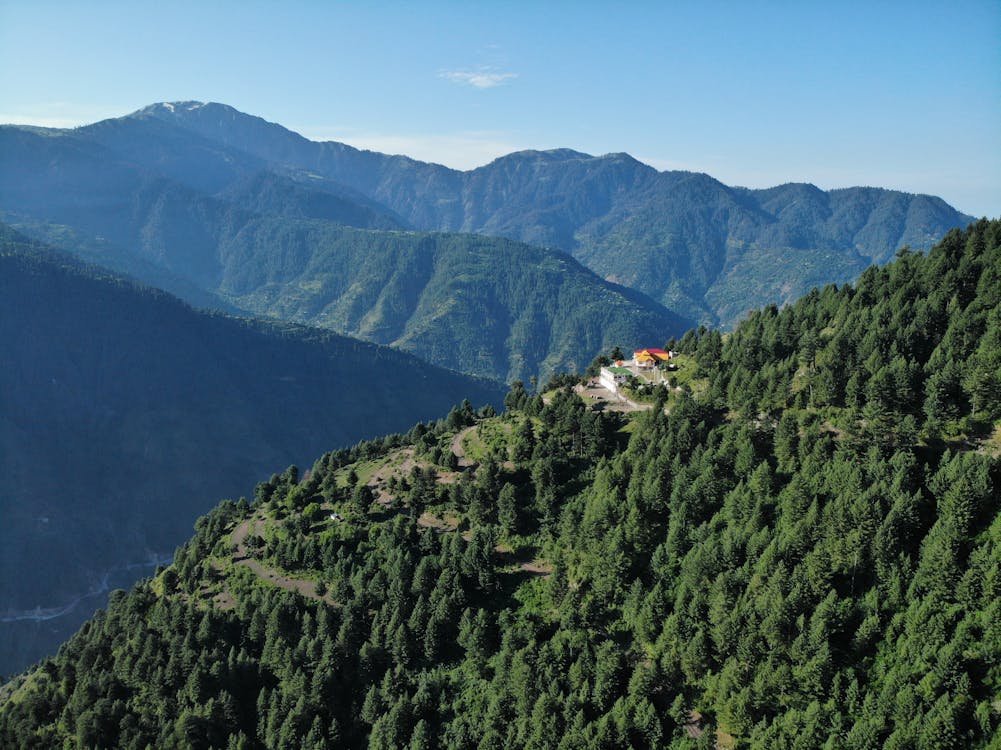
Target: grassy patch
[
  {"x": 473, "y": 446},
  {"x": 629, "y": 427},
  {"x": 992, "y": 445},
  {"x": 686, "y": 374},
  {"x": 364, "y": 470},
  {"x": 18, "y": 687},
  {"x": 492, "y": 436}
]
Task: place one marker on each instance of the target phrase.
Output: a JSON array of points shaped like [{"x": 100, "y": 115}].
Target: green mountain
[
  {"x": 311, "y": 197},
  {"x": 709, "y": 251},
  {"x": 482, "y": 305},
  {"x": 798, "y": 545},
  {"x": 275, "y": 245},
  {"x": 702, "y": 248},
  {"x": 124, "y": 414}
]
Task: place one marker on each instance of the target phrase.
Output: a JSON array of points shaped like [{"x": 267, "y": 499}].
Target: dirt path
[
  {"x": 433, "y": 522},
  {"x": 458, "y": 450},
  {"x": 240, "y": 534},
  {"x": 593, "y": 393},
  {"x": 306, "y": 588},
  {"x": 239, "y": 538},
  {"x": 693, "y": 727},
  {"x": 537, "y": 568}
]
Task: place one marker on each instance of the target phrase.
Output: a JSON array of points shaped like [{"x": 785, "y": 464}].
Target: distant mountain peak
[
  {"x": 620, "y": 156},
  {"x": 804, "y": 187},
  {"x": 160, "y": 108},
  {"x": 563, "y": 154},
  {"x": 551, "y": 155},
  {"x": 189, "y": 110}
]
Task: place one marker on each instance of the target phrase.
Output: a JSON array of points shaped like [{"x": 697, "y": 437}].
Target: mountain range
[
  {"x": 268, "y": 244},
  {"x": 124, "y": 414},
  {"x": 178, "y": 193},
  {"x": 685, "y": 239}
]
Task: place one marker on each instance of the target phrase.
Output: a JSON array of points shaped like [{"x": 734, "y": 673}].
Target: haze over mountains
[
  {"x": 188, "y": 189},
  {"x": 124, "y": 414}
]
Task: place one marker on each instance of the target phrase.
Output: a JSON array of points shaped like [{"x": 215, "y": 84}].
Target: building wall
[{"x": 608, "y": 381}]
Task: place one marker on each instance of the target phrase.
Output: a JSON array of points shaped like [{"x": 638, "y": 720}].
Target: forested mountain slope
[
  {"x": 483, "y": 305},
  {"x": 277, "y": 245},
  {"x": 709, "y": 251},
  {"x": 801, "y": 549},
  {"x": 124, "y": 415}
]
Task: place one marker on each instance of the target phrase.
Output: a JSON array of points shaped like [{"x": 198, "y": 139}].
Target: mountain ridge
[
  {"x": 271, "y": 244},
  {"x": 602, "y": 203},
  {"x": 706, "y": 250}
]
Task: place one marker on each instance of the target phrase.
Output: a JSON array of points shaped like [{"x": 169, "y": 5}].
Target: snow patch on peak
[{"x": 175, "y": 106}]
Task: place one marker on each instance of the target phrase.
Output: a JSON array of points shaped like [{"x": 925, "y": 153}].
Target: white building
[{"x": 612, "y": 377}]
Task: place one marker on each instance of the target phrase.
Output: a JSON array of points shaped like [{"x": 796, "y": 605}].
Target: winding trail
[
  {"x": 401, "y": 463},
  {"x": 457, "y": 448},
  {"x": 300, "y": 585}
]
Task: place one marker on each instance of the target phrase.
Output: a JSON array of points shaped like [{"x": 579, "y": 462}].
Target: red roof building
[{"x": 647, "y": 358}]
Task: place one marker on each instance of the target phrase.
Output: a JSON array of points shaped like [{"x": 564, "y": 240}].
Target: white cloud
[{"x": 481, "y": 79}]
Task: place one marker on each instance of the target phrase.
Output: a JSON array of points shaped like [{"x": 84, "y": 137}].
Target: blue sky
[{"x": 905, "y": 95}]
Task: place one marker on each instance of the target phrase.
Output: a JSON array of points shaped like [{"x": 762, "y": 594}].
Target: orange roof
[{"x": 651, "y": 354}]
